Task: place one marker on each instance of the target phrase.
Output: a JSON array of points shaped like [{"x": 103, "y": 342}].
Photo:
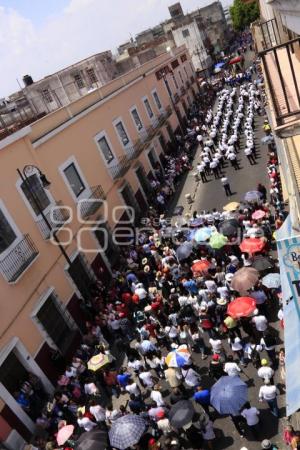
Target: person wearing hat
[
  {"x": 267, "y": 445},
  {"x": 265, "y": 372},
  {"x": 216, "y": 368},
  {"x": 163, "y": 423}
]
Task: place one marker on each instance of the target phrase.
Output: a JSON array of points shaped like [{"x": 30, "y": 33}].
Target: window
[
  {"x": 47, "y": 96},
  {"x": 136, "y": 119},
  {"x": 148, "y": 108},
  {"x": 157, "y": 100},
  {"x": 79, "y": 81},
  {"x": 180, "y": 76},
  {"x": 122, "y": 133},
  {"x": 33, "y": 185},
  {"x": 92, "y": 76},
  {"x": 106, "y": 241},
  {"x": 175, "y": 81},
  {"x": 56, "y": 322},
  {"x": 105, "y": 149},
  {"x": 7, "y": 234},
  {"x": 185, "y": 33},
  {"x": 74, "y": 179}
]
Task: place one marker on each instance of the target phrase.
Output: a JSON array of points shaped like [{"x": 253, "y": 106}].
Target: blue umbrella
[
  {"x": 126, "y": 431},
  {"x": 184, "y": 250},
  {"x": 219, "y": 65},
  {"x": 253, "y": 196},
  {"x": 272, "y": 281},
  {"x": 202, "y": 234},
  {"x": 228, "y": 395}
]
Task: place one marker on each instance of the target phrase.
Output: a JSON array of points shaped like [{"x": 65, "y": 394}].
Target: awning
[{"x": 288, "y": 253}]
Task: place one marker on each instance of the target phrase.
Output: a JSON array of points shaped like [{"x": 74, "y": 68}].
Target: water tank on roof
[{"x": 27, "y": 80}]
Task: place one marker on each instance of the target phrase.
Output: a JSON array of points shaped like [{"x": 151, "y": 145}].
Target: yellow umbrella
[
  {"x": 232, "y": 206},
  {"x": 97, "y": 361}
]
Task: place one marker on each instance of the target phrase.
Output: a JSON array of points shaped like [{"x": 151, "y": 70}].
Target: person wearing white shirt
[
  {"x": 85, "y": 423},
  {"x": 249, "y": 153},
  {"x": 260, "y": 322},
  {"x": 216, "y": 345},
  {"x": 190, "y": 376},
  {"x": 268, "y": 392},
  {"x": 98, "y": 411},
  {"x": 251, "y": 414},
  {"x": 156, "y": 396},
  {"x": 265, "y": 371},
  {"x": 146, "y": 377},
  {"x": 231, "y": 368},
  {"x": 133, "y": 388},
  {"x": 226, "y": 186}
]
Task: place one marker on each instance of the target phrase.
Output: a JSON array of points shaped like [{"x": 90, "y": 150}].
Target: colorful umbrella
[
  {"x": 178, "y": 357},
  {"x": 217, "y": 241},
  {"x": 235, "y": 60},
  {"x": 241, "y": 307},
  {"x": 126, "y": 431},
  {"x": 253, "y": 196},
  {"x": 97, "y": 361},
  {"x": 228, "y": 395},
  {"x": 244, "y": 279},
  {"x": 252, "y": 245},
  {"x": 201, "y": 266},
  {"x": 64, "y": 434},
  {"x": 202, "y": 234},
  {"x": 272, "y": 281},
  {"x": 232, "y": 206},
  {"x": 259, "y": 214}
]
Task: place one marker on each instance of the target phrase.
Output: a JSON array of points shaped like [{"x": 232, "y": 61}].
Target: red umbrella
[
  {"x": 259, "y": 214},
  {"x": 252, "y": 245},
  {"x": 235, "y": 60},
  {"x": 241, "y": 307},
  {"x": 201, "y": 266}
]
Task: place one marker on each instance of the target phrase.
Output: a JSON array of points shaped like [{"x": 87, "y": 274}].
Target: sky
[{"x": 40, "y": 37}]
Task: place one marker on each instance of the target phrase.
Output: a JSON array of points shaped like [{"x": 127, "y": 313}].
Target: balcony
[
  {"x": 57, "y": 216},
  {"x": 182, "y": 90},
  {"x": 135, "y": 150},
  {"x": 192, "y": 79},
  {"x": 18, "y": 259},
  {"x": 281, "y": 66},
  {"x": 266, "y": 34},
  {"x": 119, "y": 169},
  {"x": 93, "y": 203},
  {"x": 168, "y": 112}
]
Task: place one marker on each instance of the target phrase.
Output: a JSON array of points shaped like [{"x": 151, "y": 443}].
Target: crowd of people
[{"x": 166, "y": 314}]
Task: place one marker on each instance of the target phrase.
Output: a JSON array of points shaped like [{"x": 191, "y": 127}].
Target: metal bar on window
[
  {"x": 281, "y": 80},
  {"x": 270, "y": 84}
]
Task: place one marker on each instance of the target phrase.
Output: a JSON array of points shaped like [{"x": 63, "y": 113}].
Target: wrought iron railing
[
  {"x": 269, "y": 33},
  {"x": 119, "y": 169},
  {"x": 93, "y": 203},
  {"x": 176, "y": 98},
  {"x": 192, "y": 79},
  {"x": 56, "y": 217},
  {"x": 18, "y": 259},
  {"x": 182, "y": 90},
  {"x": 282, "y": 70},
  {"x": 168, "y": 111}
]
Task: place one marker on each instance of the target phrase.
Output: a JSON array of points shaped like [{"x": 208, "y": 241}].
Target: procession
[{"x": 192, "y": 320}]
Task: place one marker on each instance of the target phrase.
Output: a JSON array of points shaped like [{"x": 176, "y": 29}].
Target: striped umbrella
[
  {"x": 178, "y": 357},
  {"x": 126, "y": 431}
]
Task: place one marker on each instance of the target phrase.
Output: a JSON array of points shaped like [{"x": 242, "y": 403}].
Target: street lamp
[
  {"x": 164, "y": 76},
  {"x": 24, "y": 174}
]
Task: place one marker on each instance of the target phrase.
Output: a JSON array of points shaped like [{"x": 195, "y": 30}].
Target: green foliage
[{"x": 242, "y": 14}]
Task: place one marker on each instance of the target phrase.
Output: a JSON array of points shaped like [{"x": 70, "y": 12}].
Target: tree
[{"x": 243, "y": 14}]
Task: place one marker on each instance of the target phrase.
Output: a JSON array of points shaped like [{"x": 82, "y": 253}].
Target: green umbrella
[{"x": 217, "y": 241}]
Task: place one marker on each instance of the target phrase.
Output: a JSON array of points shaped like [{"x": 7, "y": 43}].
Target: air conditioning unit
[{"x": 14, "y": 441}]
